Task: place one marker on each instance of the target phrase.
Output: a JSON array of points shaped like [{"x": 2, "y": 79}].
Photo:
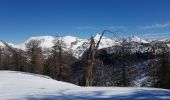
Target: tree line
[{"x": 120, "y": 65}]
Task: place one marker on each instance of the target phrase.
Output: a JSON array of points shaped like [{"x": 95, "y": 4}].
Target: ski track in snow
[{"x": 26, "y": 86}]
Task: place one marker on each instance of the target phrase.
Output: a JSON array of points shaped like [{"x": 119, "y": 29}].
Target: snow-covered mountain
[
  {"x": 76, "y": 45},
  {"x": 136, "y": 39},
  {"x": 70, "y": 41}
]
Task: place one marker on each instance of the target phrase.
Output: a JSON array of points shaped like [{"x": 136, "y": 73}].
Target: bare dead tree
[
  {"x": 90, "y": 57},
  {"x": 90, "y": 60}
]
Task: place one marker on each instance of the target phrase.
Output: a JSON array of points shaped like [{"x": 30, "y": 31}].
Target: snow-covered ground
[{"x": 25, "y": 86}]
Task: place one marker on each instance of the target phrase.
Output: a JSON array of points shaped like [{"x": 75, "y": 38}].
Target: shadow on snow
[{"x": 97, "y": 95}]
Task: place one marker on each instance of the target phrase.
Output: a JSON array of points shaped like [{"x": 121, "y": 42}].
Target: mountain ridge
[{"x": 75, "y": 44}]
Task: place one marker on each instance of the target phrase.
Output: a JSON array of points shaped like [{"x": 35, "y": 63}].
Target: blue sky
[{"x": 21, "y": 19}]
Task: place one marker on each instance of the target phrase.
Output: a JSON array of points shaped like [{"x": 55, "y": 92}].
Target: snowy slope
[
  {"x": 46, "y": 42},
  {"x": 136, "y": 39},
  {"x": 105, "y": 41},
  {"x": 1, "y": 44},
  {"x": 18, "y": 85},
  {"x": 25, "y": 86}
]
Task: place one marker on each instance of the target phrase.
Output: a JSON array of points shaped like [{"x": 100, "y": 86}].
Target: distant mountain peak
[{"x": 134, "y": 38}]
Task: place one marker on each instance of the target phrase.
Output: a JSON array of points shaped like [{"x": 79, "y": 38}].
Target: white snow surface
[
  {"x": 1, "y": 44},
  {"x": 26, "y": 86},
  {"x": 136, "y": 39}
]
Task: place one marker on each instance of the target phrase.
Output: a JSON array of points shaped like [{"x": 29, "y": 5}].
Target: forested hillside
[{"x": 126, "y": 63}]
